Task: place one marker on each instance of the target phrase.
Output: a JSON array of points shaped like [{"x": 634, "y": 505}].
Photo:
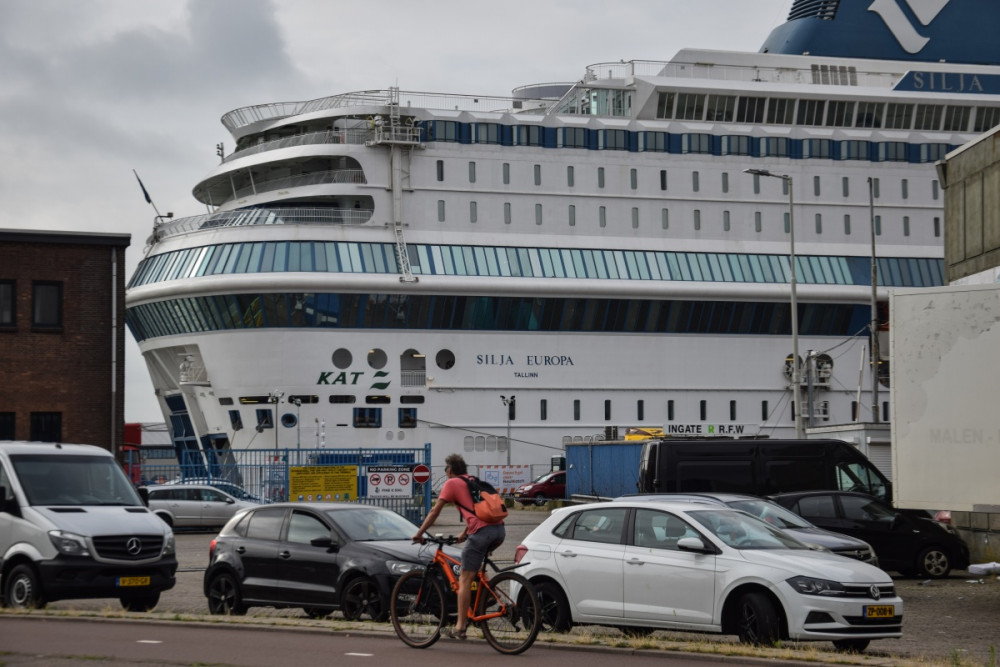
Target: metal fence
[{"x": 277, "y": 475}]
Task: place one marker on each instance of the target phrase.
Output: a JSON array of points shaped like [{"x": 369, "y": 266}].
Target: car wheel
[
  {"x": 22, "y": 590},
  {"x": 556, "y": 616},
  {"x": 224, "y": 597},
  {"x": 362, "y": 600},
  {"x": 137, "y": 602},
  {"x": 851, "y": 645},
  {"x": 758, "y": 622},
  {"x": 540, "y": 500},
  {"x": 933, "y": 563}
]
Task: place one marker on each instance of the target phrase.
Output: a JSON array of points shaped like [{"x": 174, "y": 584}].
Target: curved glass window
[
  {"x": 488, "y": 313},
  {"x": 483, "y": 261}
]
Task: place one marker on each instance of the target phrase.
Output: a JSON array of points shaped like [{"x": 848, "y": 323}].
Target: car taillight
[
  {"x": 211, "y": 549},
  {"x": 519, "y": 553}
]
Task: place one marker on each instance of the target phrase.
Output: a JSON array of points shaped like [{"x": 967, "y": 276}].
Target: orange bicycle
[{"x": 504, "y": 607}]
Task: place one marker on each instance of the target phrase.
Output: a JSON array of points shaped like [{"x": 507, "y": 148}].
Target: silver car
[{"x": 194, "y": 505}]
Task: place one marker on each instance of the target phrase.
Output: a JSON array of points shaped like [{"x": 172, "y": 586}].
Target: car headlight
[
  {"x": 169, "y": 545},
  {"x": 69, "y": 544},
  {"x": 813, "y": 586},
  {"x": 401, "y": 567}
]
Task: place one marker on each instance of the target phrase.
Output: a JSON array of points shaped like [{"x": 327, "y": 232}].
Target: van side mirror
[
  {"x": 9, "y": 505},
  {"x": 144, "y": 495}
]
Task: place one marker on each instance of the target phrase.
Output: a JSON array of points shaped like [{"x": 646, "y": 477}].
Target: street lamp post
[
  {"x": 510, "y": 403},
  {"x": 796, "y": 417}
]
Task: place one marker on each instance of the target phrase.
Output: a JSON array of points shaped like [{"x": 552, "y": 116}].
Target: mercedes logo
[
  {"x": 875, "y": 593},
  {"x": 134, "y": 547}
]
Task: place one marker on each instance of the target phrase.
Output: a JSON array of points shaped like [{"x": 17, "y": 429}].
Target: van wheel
[
  {"x": 224, "y": 596},
  {"x": 143, "y": 602},
  {"x": 22, "y": 590},
  {"x": 757, "y": 620}
]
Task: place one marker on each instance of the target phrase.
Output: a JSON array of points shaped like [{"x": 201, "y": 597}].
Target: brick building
[{"x": 62, "y": 336}]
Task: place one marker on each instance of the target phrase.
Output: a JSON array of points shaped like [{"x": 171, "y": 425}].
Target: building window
[
  {"x": 816, "y": 185},
  {"x": 264, "y": 419},
  {"x": 906, "y": 225},
  {"x": 703, "y": 409},
  {"x": 472, "y": 172},
  {"x": 845, "y": 182},
  {"x": 697, "y": 220},
  {"x": 473, "y": 212},
  {"x": 934, "y": 190},
  {"x": 788, "y": 223},
  {"x": 878, "y": 225},
  {"x": 407, "y": 417},
  {"x": 670, "y": 410},
  {"x": 875, "y": 188},
  {"x": 440, "y": 170},
  {"x": 440, "y": 210},
  {"x": 633, "y": 176},
  {"x": 695, "y": 185},
  {"x": 757, "y": 224},
  {"x": 235, "y": 420},
  {"x": 732, "y": 411},
  {"x": 607, "y": 410},
  {"x": 543, "y": 409},
  {"x": 937, "y": 227},
  {"x": 46, "y": 310},
  {"x": 46, "y": 427},
  {"x": 7, "y": 426},
  {"x": 905, "y": 187},
  {"x": 600, "y": 177},
  {"x": 367, "y": 417},
  {"x": 538, "y": 174},
  {"x": 506, "y": 213},
  {"x": 663, "y": 179},
  {"x": 665, "y": 218},
  {"x": 725, "y": 221},
  {"x": 572, "y": 215},
  {"x": 576, "y": 409},
  {"x": 763, "y": 411},
  {"x": 538, "y": 214},
  {"x": 640, "y": 410},
  {"x": 603, "y": 216},
  {"x": 847, "y": 225},
  {"x": 725, "y": 181},
  {"x": 635, "y": 217},
  {"x": 7, "y": 308},
  {"x": 569, "y": 176},
  {"x": 506, "y": 173},
  {"x": 819, "y": 223}
]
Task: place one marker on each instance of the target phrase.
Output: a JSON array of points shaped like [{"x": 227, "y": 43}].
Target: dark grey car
[{"x": 778, "y": 516}]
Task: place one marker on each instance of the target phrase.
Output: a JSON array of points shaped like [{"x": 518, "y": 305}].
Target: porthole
[
  {"x": 342, "y": 358},
  {"x": 288, "y": 420},
  {"x": 377, "y": 358},
  {"x": 445, "y": 359}
]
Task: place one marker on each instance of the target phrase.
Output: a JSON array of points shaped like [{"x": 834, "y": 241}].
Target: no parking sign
[{"x": 390, "y": 481}]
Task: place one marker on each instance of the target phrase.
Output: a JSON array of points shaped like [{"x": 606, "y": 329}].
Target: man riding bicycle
[{"x": 482, "y": 537}]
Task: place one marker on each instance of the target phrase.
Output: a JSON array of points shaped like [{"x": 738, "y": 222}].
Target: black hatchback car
[
  {"x": 321, "y": 557},
  {"x": 907, "y": 541}
]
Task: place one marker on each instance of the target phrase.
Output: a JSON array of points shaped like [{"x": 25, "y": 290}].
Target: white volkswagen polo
[{"x": 642, "y": 566}]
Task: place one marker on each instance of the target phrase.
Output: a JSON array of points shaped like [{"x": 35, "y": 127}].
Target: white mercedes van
[{"x": 73, "y": 526}]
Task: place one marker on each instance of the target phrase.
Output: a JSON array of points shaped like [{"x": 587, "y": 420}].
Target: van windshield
[{"x": 72, "y": 480}]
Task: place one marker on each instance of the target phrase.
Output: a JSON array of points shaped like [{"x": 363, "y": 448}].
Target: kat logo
[{"x": 901, "y": 26}]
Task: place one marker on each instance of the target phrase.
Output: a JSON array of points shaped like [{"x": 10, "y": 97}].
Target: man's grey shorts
[{"x": 480, "y": 543}]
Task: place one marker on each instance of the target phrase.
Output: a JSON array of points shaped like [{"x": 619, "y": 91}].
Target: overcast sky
[{"x": 92, "y": 89}]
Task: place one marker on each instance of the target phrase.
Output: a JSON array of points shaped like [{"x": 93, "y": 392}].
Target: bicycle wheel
[
  {"x": 515, "y": 630},
  {"x": 417, "y": 609}
]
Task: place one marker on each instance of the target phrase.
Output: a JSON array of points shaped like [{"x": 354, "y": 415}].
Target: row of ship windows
[
  {"x": 407, "y": 417},
  {"x": 688, "y": 142},
  {"x": 696, "y": 219},
  {"x": 462, "y": 260},
  {"x": 663, "y": 181},
  {"x": 489, "y": 313}
]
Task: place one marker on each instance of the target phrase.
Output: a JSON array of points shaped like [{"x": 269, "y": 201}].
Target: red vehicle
[{"x": 550, "y": 485}]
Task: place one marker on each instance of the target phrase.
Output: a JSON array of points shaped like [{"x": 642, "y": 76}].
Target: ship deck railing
[
  {"x": 208, "y": 196},
  {"x": 349, "y": 136},
  {"x": 260, "y": 216}
]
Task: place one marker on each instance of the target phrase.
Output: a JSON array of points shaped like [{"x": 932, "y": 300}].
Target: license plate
[
  {"x": 133, "y": 581},
  {"x": 879, "y": 611}
]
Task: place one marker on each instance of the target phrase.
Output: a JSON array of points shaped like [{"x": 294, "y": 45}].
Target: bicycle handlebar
[{"x": 440, "y": 540}]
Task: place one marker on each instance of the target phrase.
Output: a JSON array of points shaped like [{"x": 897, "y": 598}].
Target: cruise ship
[{"x": 499, "y": 276}]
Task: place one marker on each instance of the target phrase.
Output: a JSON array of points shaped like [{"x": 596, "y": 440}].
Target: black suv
[
  {"x": 907, "y": 541},
  {"x": 318, "y": 556}
]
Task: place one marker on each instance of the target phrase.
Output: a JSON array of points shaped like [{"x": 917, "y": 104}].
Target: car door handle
[
  {"x": 241, "y": 550},
  {"x": 568, "y": 554},
  {"x": 635, "y": 561},
  {"x": 285, "y": 554}
]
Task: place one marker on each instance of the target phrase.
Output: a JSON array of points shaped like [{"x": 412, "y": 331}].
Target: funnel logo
[{"x": 901, "y": 26}]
